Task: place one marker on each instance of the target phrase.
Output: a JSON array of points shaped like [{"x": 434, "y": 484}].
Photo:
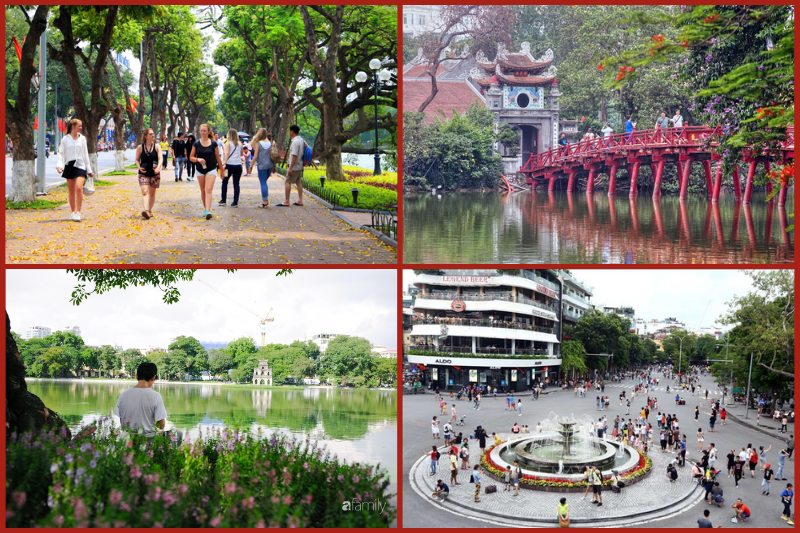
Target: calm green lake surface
[
  {"x": 557, "y": 227},
  {"x": 358, "y": 425}
]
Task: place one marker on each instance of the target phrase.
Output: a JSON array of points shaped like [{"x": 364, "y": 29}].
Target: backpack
[
  {"x": 753, "y": 457},
  {"x": 308, "y": 156}
]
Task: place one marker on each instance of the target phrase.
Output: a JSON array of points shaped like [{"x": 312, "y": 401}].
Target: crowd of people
[
  {"x": 203, "y": 159},
  {"x": 653, "y": 427}
]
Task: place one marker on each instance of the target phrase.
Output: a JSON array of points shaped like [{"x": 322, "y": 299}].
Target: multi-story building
[
  {"x": 323, "y": 339},
  {"x": 574, "y": 298},
  {"x": 75, "y": 330},
  {"x": 489, "y": 327},
  {"x": 37, "y": 332},
  {"x": 262, "y": 374},
  {"x": 658, "y": 327},
  {"x": 383, "y": 351}
]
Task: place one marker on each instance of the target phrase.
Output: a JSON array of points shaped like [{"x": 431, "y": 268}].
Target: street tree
[{"x": 19, "y": 126}]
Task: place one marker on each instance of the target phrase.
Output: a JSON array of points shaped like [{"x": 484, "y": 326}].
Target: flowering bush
[
  {"x": 565, "y": 484},
  {"x": 227, "y": 479}
]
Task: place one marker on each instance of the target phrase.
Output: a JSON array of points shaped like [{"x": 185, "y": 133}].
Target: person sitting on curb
[{"x": 441, "y": 492}]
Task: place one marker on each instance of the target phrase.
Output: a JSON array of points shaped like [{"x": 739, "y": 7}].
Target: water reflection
[
  {"x": 358, "y": 425},
  {"x": 592, "y": 228}
]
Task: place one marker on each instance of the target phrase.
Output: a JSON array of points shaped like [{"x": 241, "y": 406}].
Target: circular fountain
[{"x": 562, "y": 451}]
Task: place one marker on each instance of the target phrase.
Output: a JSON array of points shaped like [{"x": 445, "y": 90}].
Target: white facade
[
  {"x": 487, "y": 327},
  {"x": 656, "y": 326},
  {"x": 323, "y": 339},
  {"x": 36, "y": 332},
  {"x": 420, "y": 19},
  {"x": 383, "y": 351},
  {"x": 575, "y": 299},
  {"x": 262, "y": 374},
  {"x": 75, "y": 330}
]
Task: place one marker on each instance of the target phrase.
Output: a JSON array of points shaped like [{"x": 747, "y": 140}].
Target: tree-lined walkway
[{"x": 113, "y": 231}]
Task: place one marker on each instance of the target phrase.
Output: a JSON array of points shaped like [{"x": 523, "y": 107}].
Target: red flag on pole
[
  {"x": 134, "y": 105},
  {"x": 36, "y": 122},
  {"x": 18, "y": 49},
  {"x": 62, "y": 127}
]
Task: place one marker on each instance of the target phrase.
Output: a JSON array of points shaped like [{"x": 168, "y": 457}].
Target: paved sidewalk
[{"x": 113, "y": 231}]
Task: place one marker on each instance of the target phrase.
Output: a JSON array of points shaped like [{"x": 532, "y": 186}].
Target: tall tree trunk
[
  {"x": 25, "y": 411},
  {"x": 18, "y": 121}
]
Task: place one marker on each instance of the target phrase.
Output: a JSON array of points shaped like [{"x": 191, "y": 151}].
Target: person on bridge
[
  {"x": 148, "y": 160},
  {"x": 630, "y": 126},
  {"x": 677, "y": 122},
  {"x": 206, "y": 155},
  {"x": 74, "y": 165},
  {"x": 662, "y": 123}
]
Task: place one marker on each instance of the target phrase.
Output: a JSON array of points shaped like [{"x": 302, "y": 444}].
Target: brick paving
[
  {"x": 112, "y": 230},
  {"x": 538, "y": 509}
]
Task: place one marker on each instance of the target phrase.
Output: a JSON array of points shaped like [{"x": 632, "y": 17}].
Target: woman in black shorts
[
  {"x": 74, "y": 165},
  {"x": 148, "y": 159},
  {"x": 205, "y": 153}
]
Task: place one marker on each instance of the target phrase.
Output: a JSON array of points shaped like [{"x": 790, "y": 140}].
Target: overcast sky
[
  {"x": 696, "y": 297},
  {"x": 215, "y": 307}
]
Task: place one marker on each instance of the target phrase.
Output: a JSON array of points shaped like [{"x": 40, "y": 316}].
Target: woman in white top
[
  {"x": 232, "y": 158},
  {"x": 74, "y": 166}
]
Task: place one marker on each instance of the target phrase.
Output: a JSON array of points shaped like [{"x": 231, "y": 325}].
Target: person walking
[
  {"x": 662, "y": 123},
  {"x": 696, "y": 412},
  {"x": 294, "y": 175},
  {"x": 453, "y": 468},
  {"x": 768, "y": 475},
  {"x": 630, "y": 126},
  {"x": 786, "y": 499},
  {"x": 206, "y": 155},
  {"x": 563, "y": 513},
  {"x": 232, "y": 154},
  {"x": 677, "y": 122},
  {"x": 164, "y": 152},
  {"x": 74, "y": 166},
  {"x": 476, "y": 479},
  {"x": 434, "y": 455},
  {"x": 453, "y": 414},
  {"x": 705, "y": 521},
  {"x": 178, "y": 149},
  {"x": 597, "y": 486},
  {"x": 781, "y": 465},
  {"x": 435, "y": 428},
  {"x": 516, "y": 475},
  {"x": 148, "y": 160},
  {"x": 263, "y": 162},
  {"x": 700, "y": 439},
  {"x": 738, "y": 470},
  {"x": 519, "y": 406},
  {"x": 191, "y": 167}
]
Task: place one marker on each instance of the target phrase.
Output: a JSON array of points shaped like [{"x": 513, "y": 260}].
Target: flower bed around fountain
[{"x": 557, "y": 482}]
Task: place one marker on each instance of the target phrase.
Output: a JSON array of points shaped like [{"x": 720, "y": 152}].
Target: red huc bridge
[{"x": 657, "y": 147}]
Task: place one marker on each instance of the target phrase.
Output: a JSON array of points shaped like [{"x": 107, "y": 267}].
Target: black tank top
[
  {"x": 208, "y": 153},
  {"x": 149, "y": 160}
]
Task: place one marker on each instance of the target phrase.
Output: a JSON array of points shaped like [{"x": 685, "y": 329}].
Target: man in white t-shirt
[
  {"x": 294, "y": 174},
  {"x": 141, "y": 409}
]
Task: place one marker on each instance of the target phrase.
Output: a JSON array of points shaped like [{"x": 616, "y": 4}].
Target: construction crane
[{"x": 267, "y": 318}]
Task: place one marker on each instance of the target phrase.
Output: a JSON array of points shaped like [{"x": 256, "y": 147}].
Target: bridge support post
[
  {"x": 707, "y": 172},
  {"x": 590, "y": 182},
  {"x": 717, "y": 183},
  {"x": 634, "y": 178},
  {"x": 748, "y": 186},
  {"x": 767, "y": 168},
  {"x": 571, "y": 181},
  {"x": 737, "y": 186},
  {"x": 684, "y": 169},
  {"x": 551, "y": 183},
  {"x": 782, "y": 193},
  {"x": 659, "y": 173},
  {"x": 612, "y": 179}
]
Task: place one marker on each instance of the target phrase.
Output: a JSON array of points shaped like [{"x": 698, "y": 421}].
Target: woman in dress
[
  {"x": 74, "y": 165},
  {"x": 148, "y": 159},
  {"x": 206, "y": 156}
]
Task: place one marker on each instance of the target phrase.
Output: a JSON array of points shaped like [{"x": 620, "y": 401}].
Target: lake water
[
  {"x": 358, "y": 425},
  {"x": 557, "y": 227}
]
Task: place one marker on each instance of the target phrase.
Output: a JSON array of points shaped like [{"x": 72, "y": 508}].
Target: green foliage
[
  {"x": 39, "y": 203},
  {"x": 196, "y": 356},
  {"x": 455, "y": 153},
  {"x": 573, "y": 358},
  {"x": 369, "y": 196},
  {"x": 227, "y": 480}
]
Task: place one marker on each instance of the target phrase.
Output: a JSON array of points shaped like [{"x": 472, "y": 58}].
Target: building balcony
[
  {"x": 466, "y": 351},
  {"x": 455, "y": 321},
  {"x": 482, "y": 332},
  {"x": 486, "y": 297}
]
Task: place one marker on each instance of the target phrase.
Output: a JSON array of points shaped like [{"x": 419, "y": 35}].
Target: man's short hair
[
  {"x": 146, "y": 371},
  {"x": 295, "y": 128}
]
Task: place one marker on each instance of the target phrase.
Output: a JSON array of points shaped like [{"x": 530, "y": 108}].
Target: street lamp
[
  {"x": 680, "y": 356},
  {"x": 378, "y": 76}
]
